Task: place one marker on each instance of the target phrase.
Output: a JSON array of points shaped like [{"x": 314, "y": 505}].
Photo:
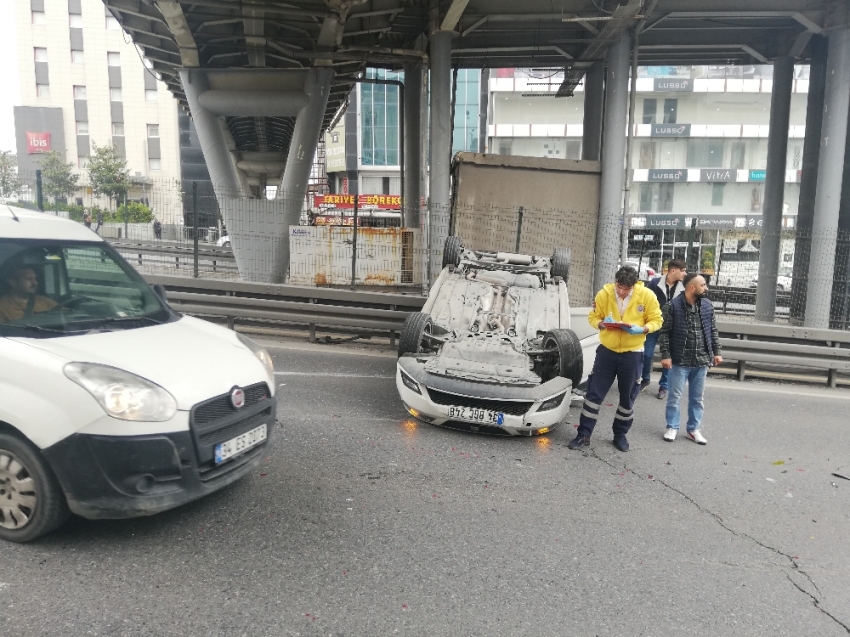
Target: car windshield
[{"x": 59, "y": 288}]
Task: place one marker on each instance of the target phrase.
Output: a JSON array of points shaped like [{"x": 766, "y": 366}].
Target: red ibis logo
[{"x": 38, "y": 143}]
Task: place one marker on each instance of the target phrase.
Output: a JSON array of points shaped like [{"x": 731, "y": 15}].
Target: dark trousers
[{"x": 626, "y": 368}]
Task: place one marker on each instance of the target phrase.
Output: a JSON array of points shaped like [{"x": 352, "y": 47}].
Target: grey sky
[{"x": 10, "y": 95}]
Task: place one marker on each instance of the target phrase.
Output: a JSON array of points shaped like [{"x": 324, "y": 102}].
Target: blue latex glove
[{"x": 633, "y": 329}]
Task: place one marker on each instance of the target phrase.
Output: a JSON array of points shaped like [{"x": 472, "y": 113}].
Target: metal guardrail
[
  {"x": 210, "y": 257},
  {"x": 788, "y": 347}
]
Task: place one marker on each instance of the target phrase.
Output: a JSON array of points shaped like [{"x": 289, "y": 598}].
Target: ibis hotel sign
[{"x": 38, "y": 143}]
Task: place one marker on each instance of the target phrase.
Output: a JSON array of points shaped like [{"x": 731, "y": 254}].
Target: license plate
[
  {"x": 239, "y": 444},
  {"x": 478, "y": 415}
]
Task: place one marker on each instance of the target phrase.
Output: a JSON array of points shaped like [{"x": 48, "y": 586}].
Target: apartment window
[
  {"x": 705, "y": 153},
  {"x": 153, "y": 130},
  {"x": 155, "y": 164},
  {"x": 650, "y": 107},
  {"x": 75, "y": 20},
  {"x": 79, "y": 92},
  {"x": 77, "y": 57},
  {"x": 717, "y": 194},
  {"x": 112, "y": 24},
  {"x": 150, "y": 95},
  {"x": 505, "y": 146},
  {"x": 115, "y": 95},
  {"x": 113, "y": 59},
  {"x": 82, "y": 128},
  {"x": 42, "y": 90},
  {"x": 645, "y": 201},
  {"x": 665, "y": 197},
  {"x": 739, "y": 155},
  {"x": 40, "y": 54},
  {"x": 82, "y": 162},
  {"x": 38, "y": 17},
  {"x": 647, "y": 155},
  {"x": 671, "y": 108},
  {"x": 117, "y": 129}
]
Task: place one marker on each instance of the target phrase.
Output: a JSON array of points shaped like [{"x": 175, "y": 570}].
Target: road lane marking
[
  {"x": 334, "y": 375},
  {"x": 790, "y": 390}
]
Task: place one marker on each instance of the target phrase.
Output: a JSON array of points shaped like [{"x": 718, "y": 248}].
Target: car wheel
[
  {"x": 561, "y": 263},
  {"x": 32, "y": 503},
  {"x": 451, "y": 251},
  {"x": 569, "y": 360},
  {"x": 414, "y": 334}
]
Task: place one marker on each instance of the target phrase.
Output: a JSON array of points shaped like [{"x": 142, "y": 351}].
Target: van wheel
[
  {"x": 414, "y": 335},
  {"x": 32, "y": 503},
  {"x": 569, "y": 360}
]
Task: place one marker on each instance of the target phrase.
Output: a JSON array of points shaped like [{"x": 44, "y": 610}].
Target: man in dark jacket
[
  {"x": 666, "y": 289},
  {"x": 689, "y": 346}
]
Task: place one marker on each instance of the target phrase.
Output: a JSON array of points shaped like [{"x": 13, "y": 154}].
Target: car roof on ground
[{"x": 20, "y": 223}]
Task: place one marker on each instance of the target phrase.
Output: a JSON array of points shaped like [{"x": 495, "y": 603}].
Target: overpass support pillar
[
  {"x": 441, "y": 147},
  {"x": 412, "y": 143},
  {"x": 594, "y": 102},
  {"x": 809, "y": 180},
  {"x": 613, "y": 162},
  {"x": 830, "y": 172},
  {"x": 774, "y": 187},
  {"x": 299, "y": 161},
  {"x": 225, "y": 179}
]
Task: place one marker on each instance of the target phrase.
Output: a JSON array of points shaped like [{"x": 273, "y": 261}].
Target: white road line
[
  {"x": 333, "y": 375},
  {"x": 789, "y": 390}
]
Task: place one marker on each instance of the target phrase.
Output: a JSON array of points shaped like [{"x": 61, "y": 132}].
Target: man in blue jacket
[
  {"x": 689, "y": 346},
  {"x": 666, "y": 289}
]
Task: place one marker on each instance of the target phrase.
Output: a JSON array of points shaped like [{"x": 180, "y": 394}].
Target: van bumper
[{"x": 114, "y": 477}]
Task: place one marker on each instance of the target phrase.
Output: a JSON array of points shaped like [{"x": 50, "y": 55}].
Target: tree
[
  {"x": 10, "y": 183},
  {"x": 108, "y": 172},
  {"x": 58, "y": 178}
]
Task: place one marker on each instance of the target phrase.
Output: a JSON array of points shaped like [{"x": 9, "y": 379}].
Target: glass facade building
[{"x": 467, "y": 105}]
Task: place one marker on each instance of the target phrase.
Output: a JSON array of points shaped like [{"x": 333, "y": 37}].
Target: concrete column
[
  {"x": 613, "y": 161},
  {"x": 412, "y": 143},
  {"x": 594, "y": 101},
  {"x": 841, "y": 286},
  {"x": 809, "y": 179},
  {"x": 484, "y": 102},
  {"x": 831, "y": 167},
  {"x": 305, "y": 137},
  {"x": 441, "y": 145},
  {"x": 225, "y": 179},
  {"x": 774, "y": 187}
]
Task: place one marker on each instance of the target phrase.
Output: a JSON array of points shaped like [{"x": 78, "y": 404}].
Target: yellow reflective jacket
[{"x": 643, "y": 309}]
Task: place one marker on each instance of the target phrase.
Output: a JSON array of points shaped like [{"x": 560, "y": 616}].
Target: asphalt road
[{"x": 364, "y": 522}]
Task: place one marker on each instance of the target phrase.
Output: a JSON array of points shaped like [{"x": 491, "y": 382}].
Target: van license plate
[
  {"x": 237, "y": 445},
  {"x": 479, "y": 415}
]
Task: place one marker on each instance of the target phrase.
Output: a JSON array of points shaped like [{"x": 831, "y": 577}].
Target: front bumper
[
  {"x": 112, "y": 477},
  {"x": 471, "y": 406}
]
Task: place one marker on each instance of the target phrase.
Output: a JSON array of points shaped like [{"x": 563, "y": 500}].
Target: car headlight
[
  {"x": 121, "y": 394},
  {"x": 552, "y": 403},
  {"x": 262, "y": 354},
  {"x": 408, "y": 381}
]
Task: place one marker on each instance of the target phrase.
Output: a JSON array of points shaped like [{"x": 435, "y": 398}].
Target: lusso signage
[
  {"x": 667, "y": 174},
  {"x": 673, "y": 84},
  {"x": 671, "y": 130}
]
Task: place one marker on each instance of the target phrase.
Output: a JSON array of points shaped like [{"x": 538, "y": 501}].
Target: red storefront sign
[
  {"x": 382, "y": 202},
  {"x": 38, "y": 143}
]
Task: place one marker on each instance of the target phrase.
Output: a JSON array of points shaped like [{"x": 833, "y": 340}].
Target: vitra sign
[{"x": 38, "y": 143}]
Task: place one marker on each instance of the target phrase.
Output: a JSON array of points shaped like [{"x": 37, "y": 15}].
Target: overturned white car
[{"x": 492, "y": 351}]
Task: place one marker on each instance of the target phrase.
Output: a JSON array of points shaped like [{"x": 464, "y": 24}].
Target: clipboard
[{"x": 611, "y": 326}]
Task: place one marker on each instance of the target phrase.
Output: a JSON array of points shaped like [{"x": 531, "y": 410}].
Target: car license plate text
[
  {"x": 237, "y": 445},
  {"x": 478, "y": 415}
]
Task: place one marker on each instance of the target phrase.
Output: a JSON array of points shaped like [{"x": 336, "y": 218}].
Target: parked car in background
[
  {"x": 643, "y": 269},
  {"x": 783, "y": 280},
  {"x": 112, "y": 405},
  {"x": 492, "y": 350}
]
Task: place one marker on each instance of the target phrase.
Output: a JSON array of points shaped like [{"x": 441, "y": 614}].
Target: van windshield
[{"x": 57, "y": 288}]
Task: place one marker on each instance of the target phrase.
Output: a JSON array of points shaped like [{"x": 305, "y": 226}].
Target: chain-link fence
[{"x": 314, "y": 241}]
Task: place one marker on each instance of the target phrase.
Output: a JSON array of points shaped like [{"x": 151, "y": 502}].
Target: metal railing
[{"x": 785, "y": 348}]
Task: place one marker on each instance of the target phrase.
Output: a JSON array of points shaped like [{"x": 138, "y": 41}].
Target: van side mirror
[{"x": 159, "y": 290}]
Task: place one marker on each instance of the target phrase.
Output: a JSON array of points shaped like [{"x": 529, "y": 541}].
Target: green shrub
[{"x": 135, "y": 213}]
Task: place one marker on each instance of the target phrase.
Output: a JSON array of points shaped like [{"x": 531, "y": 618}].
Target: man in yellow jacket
[{"x": 625, "y": 311}]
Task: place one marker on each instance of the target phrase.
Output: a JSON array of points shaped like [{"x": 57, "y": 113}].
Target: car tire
[
  {"x": 413, "y": 334},
  {"x": 452, "y": 250},
  {"x": 561, "y": 263},
  {"x": 569, "y": 361},
  {"x": 28, "y": 489}
]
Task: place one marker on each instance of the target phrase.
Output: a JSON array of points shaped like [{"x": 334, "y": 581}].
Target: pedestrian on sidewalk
[
  {"x": 666, "y": 289},
  {"x": 625, "y": 312},
  {"x": 689, "y": 346}
]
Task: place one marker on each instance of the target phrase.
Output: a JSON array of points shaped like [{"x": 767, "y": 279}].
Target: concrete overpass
[{"x": 263, "y": 79}]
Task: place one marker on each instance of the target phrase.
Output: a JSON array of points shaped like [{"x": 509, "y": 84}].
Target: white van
[{"x": 112, "y": 405}]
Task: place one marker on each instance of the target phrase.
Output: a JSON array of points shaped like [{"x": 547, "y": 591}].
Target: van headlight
[
  {"x": 121, "y": 394},
  {"x": 262, "y": 354}
]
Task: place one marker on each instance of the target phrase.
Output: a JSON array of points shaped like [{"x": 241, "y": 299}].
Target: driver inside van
[{"x": 21, "y": 300}]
